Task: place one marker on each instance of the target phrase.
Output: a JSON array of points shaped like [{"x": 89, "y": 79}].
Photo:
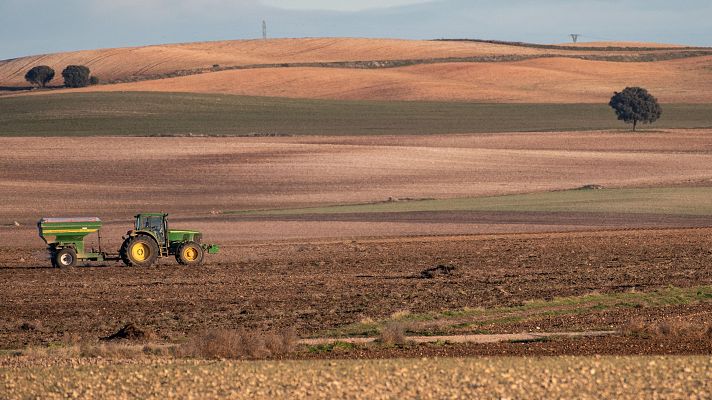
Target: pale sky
[
  {"x": 30, "y": 27},
  {"x": 339, "y": 5}
]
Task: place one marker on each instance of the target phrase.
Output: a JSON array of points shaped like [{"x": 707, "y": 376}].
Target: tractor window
[{"x": 153, "y": 224}]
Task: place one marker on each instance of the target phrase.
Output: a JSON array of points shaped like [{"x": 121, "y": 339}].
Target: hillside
[
  {"x": 124, "y": 63},
  {"x": 386, "y": 69},
  {"x": 549, "y": 80}
]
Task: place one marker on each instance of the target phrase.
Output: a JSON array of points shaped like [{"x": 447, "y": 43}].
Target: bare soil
[
  {"x": 603, "y": 345},
  {"x": 115, "y": 177},
  {"x": 320, "y": 273},
  {"x": 319, "y": 285}
]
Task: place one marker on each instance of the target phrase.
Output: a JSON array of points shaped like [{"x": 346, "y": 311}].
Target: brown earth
[
  {"x": 115, "y": 177},
  {"x": 620, "y": 44},
  {"x": 590, "y": 346},
  {"x": 276, "y": 272},
  {"x": 118, "y": 63},
  {"x": 549, "y": 80},
  {"x": 315, "y": 286},
  {"x": 566, "y": 79}
]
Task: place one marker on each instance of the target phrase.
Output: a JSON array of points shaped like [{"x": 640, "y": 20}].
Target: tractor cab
[
  {"x": 151, "y": 239},
  {"x": 154, "y": 223}
]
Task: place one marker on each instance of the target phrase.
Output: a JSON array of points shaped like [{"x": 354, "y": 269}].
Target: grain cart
[{"x": 148, "y": 241}]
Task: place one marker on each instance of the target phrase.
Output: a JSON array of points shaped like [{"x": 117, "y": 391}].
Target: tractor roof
[
  {"x": 69, "y": 220},
  {"x": 151, "y": 215}
]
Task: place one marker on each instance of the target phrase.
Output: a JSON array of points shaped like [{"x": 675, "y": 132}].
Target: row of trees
[{"x": 75, "y": 76}]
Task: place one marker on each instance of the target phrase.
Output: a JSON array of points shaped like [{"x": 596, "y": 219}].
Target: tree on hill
[
  {"x": 76, "y": 76},
  {"x": 635, "y": 104},
  {"x": 40, "y": 75}
]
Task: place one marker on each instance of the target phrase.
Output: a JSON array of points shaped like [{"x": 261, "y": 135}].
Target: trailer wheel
[
  {"x": 65, "y": 258},
  {"x": 189, "y": 253},
  {"x": 139, "y": 251}
]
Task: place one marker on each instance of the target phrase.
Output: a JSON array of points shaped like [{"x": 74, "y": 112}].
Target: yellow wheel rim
[
  {"x": 190, "y": 254},
  {"x": 140, "y": 251}
]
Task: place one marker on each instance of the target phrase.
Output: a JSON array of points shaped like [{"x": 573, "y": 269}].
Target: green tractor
[{"x": 147, "y": 242}]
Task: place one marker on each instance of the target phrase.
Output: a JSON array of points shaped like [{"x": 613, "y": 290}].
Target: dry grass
[
  {"x": 213, "y": 344},
  {"x": 239, "y": 344},
  {"x": 402, "y": 314},
  {"x": 668, "y": 328},
  {"x": 116, "y": 351},
  {"x": 393, "y": 333}
]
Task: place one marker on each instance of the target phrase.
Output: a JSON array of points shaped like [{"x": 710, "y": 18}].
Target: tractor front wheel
[
  {"x": 65, "y": 258},
  {"x": 189, "y": 253},
  {"x": 139, "y": 251}
]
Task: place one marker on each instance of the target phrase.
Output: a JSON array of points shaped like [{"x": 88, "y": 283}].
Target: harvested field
[
  {"x": 318, "y": 286},
  {"x": 556, "y": 377},
  {"x": 121, "y": 63},
  {"x": 549, "y": 80},
  {"x": 152, "y": 61}
]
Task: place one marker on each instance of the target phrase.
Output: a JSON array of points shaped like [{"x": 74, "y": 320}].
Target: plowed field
[
  {"x": 318, "y": 272},
  {"x": 316, "y": 286},
  {"x": 115, "y": 177}
]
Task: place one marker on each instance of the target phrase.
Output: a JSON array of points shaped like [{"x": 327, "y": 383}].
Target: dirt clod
[
  {"x": 439, "y": 270},
  {"x": 591, "y": 187},
  {"x": 128, "y": 332}
]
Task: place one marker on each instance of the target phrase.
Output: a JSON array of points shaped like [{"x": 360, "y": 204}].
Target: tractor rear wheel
[
  {"x": 189, "y": 253},
  {"x": 65, "y": 258},
  {"x": 139, "y": 251}
]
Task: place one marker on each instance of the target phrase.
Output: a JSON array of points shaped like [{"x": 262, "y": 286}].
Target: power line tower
[
  {"x": 575, "y": 37},
  {"x": 264, "y": 29}
]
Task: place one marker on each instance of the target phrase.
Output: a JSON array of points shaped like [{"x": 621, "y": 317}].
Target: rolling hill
[{"x": 385, "y": 69}]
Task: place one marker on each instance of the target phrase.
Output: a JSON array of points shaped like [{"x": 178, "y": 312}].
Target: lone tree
[
  {"x": 635, "y": 104},
  {"x": 40, "y": 75},
  {"x": 76, "y": 76}
]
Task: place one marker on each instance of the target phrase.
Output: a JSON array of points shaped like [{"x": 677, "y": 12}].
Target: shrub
[
  {"x": 40, "y": 75},
  {"x": 235, "y": 344},
  {"x": 393, "y": 333},
  {"x": 94, "y": 80},
  {"x": 668, "y": 328},
  {"x": 76, "y": 76}
]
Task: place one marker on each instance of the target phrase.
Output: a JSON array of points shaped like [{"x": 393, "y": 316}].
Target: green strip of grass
[
  {"x": 470, "y": 320},
  {"x": 143, "y": 113},
  {"x": 676, "y": 200}
]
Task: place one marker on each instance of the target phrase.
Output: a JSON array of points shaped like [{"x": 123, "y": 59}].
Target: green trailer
[
  {"x": 150, "y": 240},
  {"x": 65, "y": 240}
]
